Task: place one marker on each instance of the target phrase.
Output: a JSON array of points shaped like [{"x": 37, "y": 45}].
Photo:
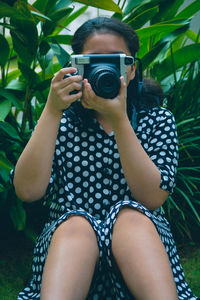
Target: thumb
[{"x": 123, "y": 90}]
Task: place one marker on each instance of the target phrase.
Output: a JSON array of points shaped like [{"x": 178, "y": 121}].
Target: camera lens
[{"x": 105, "y": 81}]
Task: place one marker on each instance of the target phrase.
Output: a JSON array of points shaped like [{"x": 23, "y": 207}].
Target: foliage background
[{"x": 34, "y": 36}]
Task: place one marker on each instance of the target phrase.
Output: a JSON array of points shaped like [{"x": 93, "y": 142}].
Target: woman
[{"x": 105, "y": 183}]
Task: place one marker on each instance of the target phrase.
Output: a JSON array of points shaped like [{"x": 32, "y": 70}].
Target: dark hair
[
  {"x": 152, "y": 94},
  {"x": 110, "y": 25},
  {"x": 104, "y": 25}
]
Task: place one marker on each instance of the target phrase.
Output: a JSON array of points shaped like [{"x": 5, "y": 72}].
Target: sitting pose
[{"x": 104, "y": 167}]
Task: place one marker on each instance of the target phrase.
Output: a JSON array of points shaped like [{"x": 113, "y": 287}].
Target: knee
[
  {"x": 130, "y": 224},
  {"x": 76, "y": 227}
]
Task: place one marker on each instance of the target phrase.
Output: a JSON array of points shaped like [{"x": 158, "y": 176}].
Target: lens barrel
[{"x": 105, "y": 81}]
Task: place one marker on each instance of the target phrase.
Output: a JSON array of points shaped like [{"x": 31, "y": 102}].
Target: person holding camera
[{"x": 104, "y": 165}]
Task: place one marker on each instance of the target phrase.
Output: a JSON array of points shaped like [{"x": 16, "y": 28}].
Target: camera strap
[
  {"x": 139, "y": 92},
  {"x": 134, "y": 118}
]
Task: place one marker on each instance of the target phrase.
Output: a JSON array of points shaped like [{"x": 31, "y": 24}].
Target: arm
[
  {"x": 33, "y": 169},
  {"x": 142, "y": 174}
]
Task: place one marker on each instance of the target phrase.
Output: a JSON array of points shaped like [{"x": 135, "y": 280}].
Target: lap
[{"x": 106, "y": 275}]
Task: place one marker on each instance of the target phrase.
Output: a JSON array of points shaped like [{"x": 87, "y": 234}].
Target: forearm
[
  {"x": 142, "y": 175},
  {"x": 33, "y": 168}
]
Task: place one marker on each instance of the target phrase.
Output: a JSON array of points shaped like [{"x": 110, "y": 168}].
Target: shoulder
[
  {"x": 156, "y": 122},
  {"x": 155, "y": 116}
]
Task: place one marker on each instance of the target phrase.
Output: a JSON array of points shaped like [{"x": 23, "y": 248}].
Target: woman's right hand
[{"x": 59, "y": 97}]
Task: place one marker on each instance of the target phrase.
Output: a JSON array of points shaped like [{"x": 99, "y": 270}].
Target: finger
[
  {"x": 123, "y": 88},
  {"x": 71, "y": 83},
  {"x": 60, "y": 74},
  {"x": 88, "y": 92}
]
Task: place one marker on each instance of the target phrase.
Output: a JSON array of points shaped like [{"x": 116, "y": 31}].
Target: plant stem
[{"x": 26, "y": 109}]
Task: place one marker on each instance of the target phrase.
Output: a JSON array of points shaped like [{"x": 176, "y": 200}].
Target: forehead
[{"x": 105, "y": 43}]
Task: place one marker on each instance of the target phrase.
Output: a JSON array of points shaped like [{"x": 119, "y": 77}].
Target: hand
[
  {"x": 111, "y": 109},
  {"x": 59, "y": 96}
]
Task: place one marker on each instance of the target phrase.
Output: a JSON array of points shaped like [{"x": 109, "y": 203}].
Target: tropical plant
[{"x": 33, "y": 42}]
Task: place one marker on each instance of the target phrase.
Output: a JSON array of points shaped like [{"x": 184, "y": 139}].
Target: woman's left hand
[{"x": 111, "y": 109}]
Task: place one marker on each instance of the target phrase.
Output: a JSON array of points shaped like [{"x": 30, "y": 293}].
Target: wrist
[
  {"x": 52, "y": 111},
  {"x": 120, "y": 123}
]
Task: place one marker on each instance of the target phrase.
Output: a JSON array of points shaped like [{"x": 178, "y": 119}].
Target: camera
[{"x": 103, "y": 71}]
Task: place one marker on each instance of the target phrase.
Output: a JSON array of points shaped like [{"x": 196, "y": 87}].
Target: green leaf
[
  {"x": 4, "y": 50},
  {"x": 57, "y": 17},
  {"x": 103, "y": 4},
  {"x": 4, "y": 162},
  {"x": 181, "y": 58},
  {"x": 18, "y": 215},
  {"x": 70, "y": 18},
  {"x": 9, "y": 130},
  {"x": 25, "y": 39},
  {"x": 143, "y": 18},
  {"x": 158, "y": 30},
  {"x": 132, "y": 4},
  {"x": 5, "y": 107},
  {"x": 10, "y": 97},
  {"x": 40, "y": 16},
  {"x": 40, "y": 5},
  {"x": 62, "y": 55},
  {"x": 193, "y": 36},
  {"x": 5, "y": 167},
  {"x": 9, "y": 11},
  {"x": 167, "y": 10},
  {"x": 189, "y": 203},
  {"x": 190, "y": 10},
  {"x": 60, "y": 39},
  {"x": 30, "y": 75},
  {"x": 63, "y": 4},
  {"x": 16, "y": 85},
  {"x": 150, "y": 57}
]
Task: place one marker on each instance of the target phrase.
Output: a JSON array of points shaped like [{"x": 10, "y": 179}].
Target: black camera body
[{"x": 103, "y": 71}]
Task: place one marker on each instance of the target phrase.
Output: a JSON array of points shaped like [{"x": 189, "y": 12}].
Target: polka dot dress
[{"x": 87, "y": 179}]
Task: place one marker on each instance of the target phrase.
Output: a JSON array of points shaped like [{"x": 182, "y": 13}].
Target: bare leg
[
  {"x": 141, "y": 257},
  {"x": 70, "y": 262}
]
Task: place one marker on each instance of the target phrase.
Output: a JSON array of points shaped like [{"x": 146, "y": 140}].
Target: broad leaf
[
  {"x": 62, "y": 55},
  {"x": 5, "y": 163},
  {"x": 25, "y": 39},
  {"x": 159, "y": 30},
  {"x": 60, "y": 39},
  {"x": 151, "y": 55},
  {"x": 63, "y": 4},
  {"x": 57, "y": 18},
  {"x": 69, "y": 19},
  {"x": 181, "y": 58},
  {"x": 5, "y": 107},
  {"x": 10, "y": 97},
  {"x": 9, "y": 11},
  {"x": 16, "y": 85},
  {"x": 103, "y": 4},
  {"x": 40, "y": 16},
  {"x": 167, "y": 10},
  {"x": 132, "y": 4},
  {"x": 9, "y": 130},
  {"x": 143, "y": 18},
  {"x": 40, "y": 5},
  {"x": 193, "y": 36},
  {"x": 190, "y": 10},
  {"x": 29, "y": 75}
]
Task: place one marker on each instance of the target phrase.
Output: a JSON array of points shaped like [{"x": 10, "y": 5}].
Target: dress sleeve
[
  {"x": 162, "y": 144},
  {"x": 164, "y": 141}
]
